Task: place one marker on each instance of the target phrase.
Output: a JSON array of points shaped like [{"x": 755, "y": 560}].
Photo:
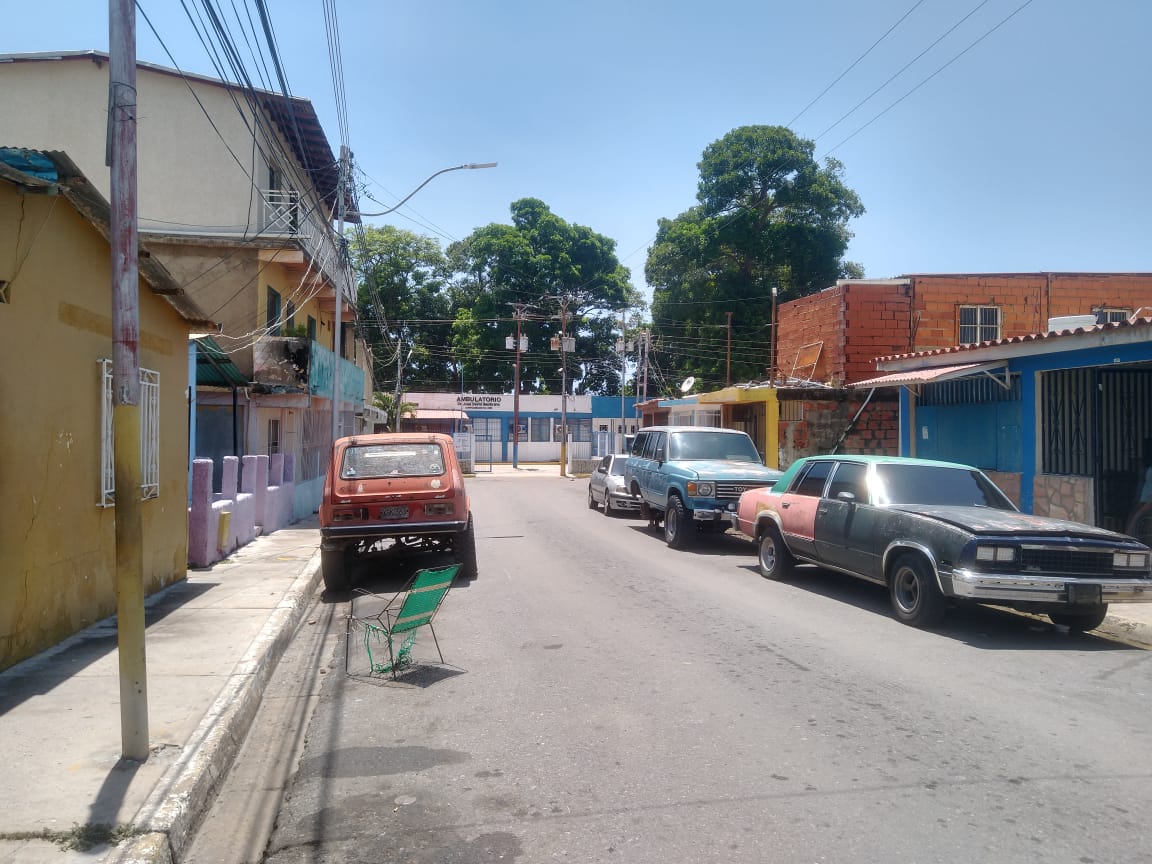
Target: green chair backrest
[{"x": 424, "y": 598}]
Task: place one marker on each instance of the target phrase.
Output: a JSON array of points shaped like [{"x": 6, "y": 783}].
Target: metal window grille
[
  {"x": 1107, "y": 315},
  {"x": 273, "y": 436},
  {"x": 149, "y": 435},
  {"x": 979, "y": 324},
  {"x": 1067, "y": 406}
]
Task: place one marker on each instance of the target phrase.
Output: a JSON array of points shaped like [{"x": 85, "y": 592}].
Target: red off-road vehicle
[{"x": 399, "y": 492}]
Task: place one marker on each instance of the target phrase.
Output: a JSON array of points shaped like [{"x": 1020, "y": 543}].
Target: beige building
[
  {"x": 57, "y": 513},
  {"x": 237, "y": 198}
]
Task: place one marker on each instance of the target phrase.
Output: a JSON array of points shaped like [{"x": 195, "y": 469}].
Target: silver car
[{"x": 606, "y": 487}]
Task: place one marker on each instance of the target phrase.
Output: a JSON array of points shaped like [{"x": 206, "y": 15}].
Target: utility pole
[
  {"x": 728, "y": 356},
  {"x": 623, "y": 373},
  {"x": 341, "y": 209},
  {"x": 564, "y": 300},
  {"x": 129, "y": 534},
  {"x": 647, "y": 343},
  {"x": 399, "y": 383},
  {"x": 519, "y": 307}
]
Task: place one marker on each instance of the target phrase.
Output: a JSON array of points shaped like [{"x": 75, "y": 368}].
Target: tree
[
  {"x": 768, "y": 216},
  {"x": 543, "y": 264},
  {"x": 404, "y": 304}
]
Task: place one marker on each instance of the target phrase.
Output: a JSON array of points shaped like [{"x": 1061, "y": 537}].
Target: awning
[
  {"x": 929, "y": 376},
  {"x": 213, "y": 366}
]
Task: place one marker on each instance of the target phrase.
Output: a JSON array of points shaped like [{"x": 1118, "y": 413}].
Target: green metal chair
[{"x": 421, "y": 600}]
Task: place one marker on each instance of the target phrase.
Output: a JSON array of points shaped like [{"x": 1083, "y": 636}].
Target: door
[
  {"x": 798, "y": 507},
  {"x": 845, "y": 522}
]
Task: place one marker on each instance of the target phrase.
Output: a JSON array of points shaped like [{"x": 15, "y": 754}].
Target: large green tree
[
  {"x": 768, "y": 217},
  {"x": 405, "y": 305},
  {"x": 546, "y": 268}
]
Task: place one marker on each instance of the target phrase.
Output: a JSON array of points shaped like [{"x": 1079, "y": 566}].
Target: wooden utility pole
[
  {"x": 728, "y": 355},
  {"x": 121, "y": 158},
  {"x": 519, "y": 307}
]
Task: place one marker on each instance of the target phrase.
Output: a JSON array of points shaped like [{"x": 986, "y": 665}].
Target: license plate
[
  {"x": 394, "y": 512},
  {"x": 1083, "y": 595}
]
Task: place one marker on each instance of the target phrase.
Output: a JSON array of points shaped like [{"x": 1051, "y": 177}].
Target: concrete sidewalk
[{"x": 212, "y": 642}]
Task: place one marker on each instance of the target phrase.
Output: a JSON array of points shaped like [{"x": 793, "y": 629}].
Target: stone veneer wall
[
  {"x": 1009, "y": 484},
  {"x": 1064, "y": 497}
]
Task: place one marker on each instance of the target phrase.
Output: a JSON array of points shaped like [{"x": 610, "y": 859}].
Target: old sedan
[
  {"x": 932, "y": 532},
  {"x": 606, "y": 486}
]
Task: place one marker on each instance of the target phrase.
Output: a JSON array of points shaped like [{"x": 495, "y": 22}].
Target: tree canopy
[
  {"x": 453, "y": 311},
  {"x": 768, "y": 217},
  {"x": 540, "y": 267}
]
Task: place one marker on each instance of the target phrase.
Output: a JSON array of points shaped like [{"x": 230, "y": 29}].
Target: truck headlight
[{"x": 703, "y": 490}]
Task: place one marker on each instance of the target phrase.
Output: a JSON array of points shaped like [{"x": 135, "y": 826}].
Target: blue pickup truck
[{"x": 691, "y": 478}]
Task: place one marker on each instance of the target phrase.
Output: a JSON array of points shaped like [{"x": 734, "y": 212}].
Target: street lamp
[
  {"x": 345, "y": 173},
  {"x": 470, "y": 166}
]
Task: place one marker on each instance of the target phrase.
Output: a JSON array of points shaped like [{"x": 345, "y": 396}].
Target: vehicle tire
[
  {"x": 678, "y": 525},
  {"x": 608, "y": 506},
  {"x": 1078, "y": 622},
  {"x": 776, "y": 562},
  {"x": 334, "y": 569},
  {"x": 466, "y": 553},
  {"x": 592, "y": 505},
  {"x": 916, "y": 598}
]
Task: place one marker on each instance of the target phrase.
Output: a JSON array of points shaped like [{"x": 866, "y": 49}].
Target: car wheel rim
[
  {"x": 907, "y": 590},
  {"x": 768, "y": 555},
  {"x": 671, "y": 523}
]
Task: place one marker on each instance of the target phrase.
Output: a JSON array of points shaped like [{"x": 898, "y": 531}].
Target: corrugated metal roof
[
  {"x": 213, "y": 366},
  {"x": 925, "y": 376}
]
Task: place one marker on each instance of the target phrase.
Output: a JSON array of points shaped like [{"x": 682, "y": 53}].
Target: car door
[
  {"x": 798, "y": 507},
  {"x": 845, "y": 521},
  {"x": 599, "y": 478},
  {"x": 655, "y": 485}
]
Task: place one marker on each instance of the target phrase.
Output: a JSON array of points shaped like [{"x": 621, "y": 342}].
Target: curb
[{"x": 169, "y": 816}]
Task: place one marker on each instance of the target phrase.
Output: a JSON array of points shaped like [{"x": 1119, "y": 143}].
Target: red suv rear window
[{"x": 392, "y": 460}]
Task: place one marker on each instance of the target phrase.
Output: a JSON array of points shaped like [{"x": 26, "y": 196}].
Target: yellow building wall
[
  {"x": 57, "y": 547},
  {"x": 770, "y": 445}
]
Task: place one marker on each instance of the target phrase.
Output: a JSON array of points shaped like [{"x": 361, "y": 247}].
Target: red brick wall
[
  {"x": 825, "y": 417},
  {"x": 877, "y": 324},
  {"x": 815, "y": 318}
]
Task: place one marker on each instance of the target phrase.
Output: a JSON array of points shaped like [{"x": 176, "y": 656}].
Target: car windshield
[
  {"x": 392, "y": 460},
  {"x": 712, "y": 445},
  {"x": 937, "y": 484},
  {"x": 616, "y": 465}
]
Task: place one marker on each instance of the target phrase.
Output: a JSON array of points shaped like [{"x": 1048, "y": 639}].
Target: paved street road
[{"x": 610, "y": 699}]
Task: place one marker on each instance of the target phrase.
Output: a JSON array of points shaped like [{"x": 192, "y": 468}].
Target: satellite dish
[{"x": 687, "y": 384}]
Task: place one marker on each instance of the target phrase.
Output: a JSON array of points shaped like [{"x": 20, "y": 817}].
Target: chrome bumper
[
  {"x": 382, "y": 531},
  {"x": 1044, "y": 589}
]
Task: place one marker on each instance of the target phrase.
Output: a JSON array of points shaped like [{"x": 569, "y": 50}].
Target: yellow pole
[{"x": 130, "y": 584}]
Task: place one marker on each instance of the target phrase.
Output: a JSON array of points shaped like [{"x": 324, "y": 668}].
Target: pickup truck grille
[
  {"x": 1067, "y": 561},
  {"x": 735, "y": 490}
]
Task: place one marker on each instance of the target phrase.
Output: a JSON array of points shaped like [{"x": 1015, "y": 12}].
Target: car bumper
[
  {"x": 377, "y": 531},
  {"x": 623, "y": 501},
  {"x": 712, "y": 514},
  {"x": 1044, "y": 589}
]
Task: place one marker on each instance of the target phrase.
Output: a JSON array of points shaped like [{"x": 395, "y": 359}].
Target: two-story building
[{"x": 238, "y": 192}]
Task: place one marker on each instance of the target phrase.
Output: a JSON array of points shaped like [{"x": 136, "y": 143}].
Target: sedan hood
[{"x": 985, "y": 520}]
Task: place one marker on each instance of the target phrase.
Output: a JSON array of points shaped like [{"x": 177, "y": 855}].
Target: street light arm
[{"x": 471, "y": 166}]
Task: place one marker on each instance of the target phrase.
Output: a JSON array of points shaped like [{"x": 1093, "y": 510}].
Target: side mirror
[{"x": 660, "y": 455}]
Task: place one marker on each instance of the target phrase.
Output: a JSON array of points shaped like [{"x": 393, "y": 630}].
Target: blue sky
[{"x": 1028, "y": 152}]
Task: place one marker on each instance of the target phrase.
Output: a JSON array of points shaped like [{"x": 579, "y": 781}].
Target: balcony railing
[
  {"x": 295, "y": 364},
  {"x": 287, "y": 213}
]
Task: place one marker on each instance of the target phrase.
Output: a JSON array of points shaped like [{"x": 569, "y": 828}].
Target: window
[
  {"x": 311, "y": 328},
  {"x": 539, "y": 429},
  {"x": 149, "y": 436},
  {"x": 979, "y": 324},
  {"x": 290, "y": 314},
  {"x": 391, "y": 460},
  {"x": 654, "y": 445},
  {"x": 812, "y": 479},
  {"x": 273, "y": 436},
  {"x": 1107, "y": 315},
  {"x": 638, "y": 444},
  {"x": 581, "y": 429},
  {"x": 273, "y": 317},
  {"x": 850, "y": 477}
]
